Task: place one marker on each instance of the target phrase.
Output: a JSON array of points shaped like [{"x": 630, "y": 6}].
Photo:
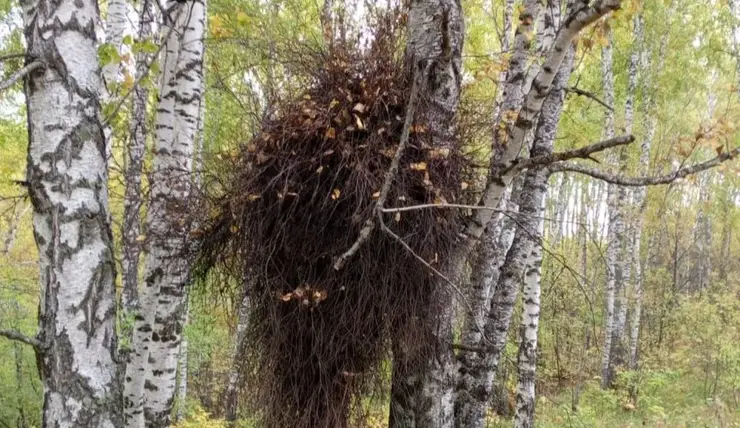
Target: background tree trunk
[
  {"x": 132, "y": 199},
  {"x": 151, "y": 375}
]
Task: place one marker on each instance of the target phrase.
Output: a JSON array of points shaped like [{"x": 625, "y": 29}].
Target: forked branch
[{"x": 390, "y": 175}]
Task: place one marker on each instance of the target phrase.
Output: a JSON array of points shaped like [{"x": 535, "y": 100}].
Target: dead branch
[
  {"x": 20, "y": 74},
  {"x": 581, "y": 92},
  {"x": 12, "y": 56},
  {"x": 20, "y": 337},
  {"x": 425, "y": 206},
  {"x": 582, "y": 153},
  {"x": 390, "y": 175},
  {"x": 645, "y": 180}
]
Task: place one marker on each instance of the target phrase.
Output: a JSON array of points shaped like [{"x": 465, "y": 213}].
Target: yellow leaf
[
  {"x": 335, "y": 194},
  {"x": 443, "y": 153},
  {"x": 464, "y": 185},
  {"x": 307, "y": 97},
  {"x": 141, "y": 238},
  {"x": 376, "y": 195},
  {"x": 359, "y": 108},
  {"x": 333, "y": 103},
  {"x": 421, "y": 166},
  {"x": 286, "y": 297},
  {"x": 242, "y": 17},
  {"x": 216, "y": 25},
  {"x": 419, "y": 129},
  {"x": 128, "y": 80},
  {"x": 319, "y": 169},
  {"x": 359, "y": 123},
  {"x": 331, "y": 133},
  {"x": 253, "y": 197},
  {"x": 234, "y": 228}
]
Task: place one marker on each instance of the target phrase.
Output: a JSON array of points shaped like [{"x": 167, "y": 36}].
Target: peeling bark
[{"x": 68, "y": 185}]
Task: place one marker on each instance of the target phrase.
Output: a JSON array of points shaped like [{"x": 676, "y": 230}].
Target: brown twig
[
  {"x": 390, "y": 175},
  {"x": 590, "y": 95},
  {"x": 425, "y": 206}
]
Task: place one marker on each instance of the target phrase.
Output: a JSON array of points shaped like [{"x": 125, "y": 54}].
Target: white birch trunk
[
  {"x": 474, "y": 388},
  {"x": 434, "y": 51},
  {"x": 650, "y": 125},
  {"x": 68, "y": 186},
  {"x": 182, "y": 371},
  {"x": 115, "y": 27},
  {"x": 620, "y": 263},
  {"x": 151, "y": 375},
  {"x": 132, "y": 198},
  {"x": 232, "y": 387},
  {"x": 469, "y": 411},
  {"x": 533, "y": 198},
  {"x": 614, "y": 221}
]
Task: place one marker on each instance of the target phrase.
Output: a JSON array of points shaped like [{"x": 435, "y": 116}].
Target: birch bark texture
[
  {"x": 135, "y": 150},
  {"x": 115, "y": 27},
  {"x": 424, "y": 398},
  {"x": 615, "y": 220},
  {"x": 530, "y": 235},
  {"x": 68, "y": 186},
  {"x": 151, "y": 374},
  {"x": 650, "y": 123},
  {"x": 475, "y": 372}
]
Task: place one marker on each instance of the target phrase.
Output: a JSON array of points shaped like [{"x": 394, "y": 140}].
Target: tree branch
[
  {"x": 142, "y": 76},
  {"x": 390, "y": 175},
  {"x": 498, "y": 180},
  {"x": 644, "y": 180},
  {"x": 424, "y": 206},
  {"x": 12, "y": 56},
  {"x": 20, "y": 74},
  {"x": 590, "y": 95},
  {"x": 20, "y": 337},
  {"x": 582, "y": 153}
]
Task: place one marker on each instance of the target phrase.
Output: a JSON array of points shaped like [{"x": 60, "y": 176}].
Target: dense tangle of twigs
[{"x": 295, "y": 197}]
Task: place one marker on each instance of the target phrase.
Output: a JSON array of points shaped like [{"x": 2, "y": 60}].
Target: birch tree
[
  {"x": 67, "y": 179},
  {"x": 530, "y": 235},
  {"x": 434, "y": 50},
  {"x": 135, "y": 149},
  {"x": 115, "y": 28},
  {"x": 151, "y": 374},
  {"x": 616, "y": 226},
  {"x": 649, "y": 124},
  {"x": 474, "y": 373}
]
